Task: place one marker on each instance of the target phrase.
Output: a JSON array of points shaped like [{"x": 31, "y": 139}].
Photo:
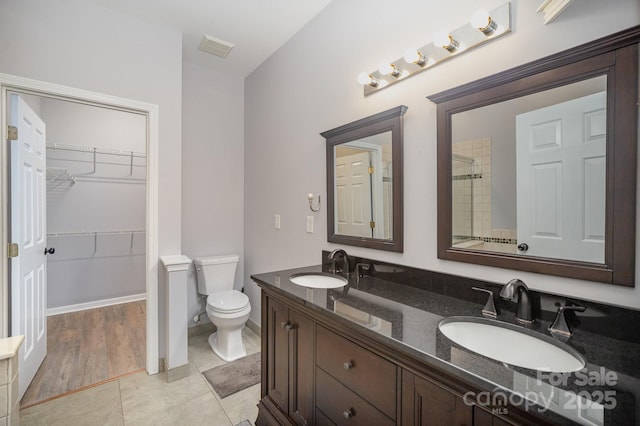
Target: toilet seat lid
[{"x": 228, "y": 301}]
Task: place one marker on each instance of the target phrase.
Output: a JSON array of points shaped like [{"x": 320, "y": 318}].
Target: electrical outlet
[
  {"x": 277, "y": 221},
  {"x": 310, "y": 224}
]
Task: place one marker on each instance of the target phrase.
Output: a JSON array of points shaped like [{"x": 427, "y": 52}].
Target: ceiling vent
[{"x": 215, "y": 46}]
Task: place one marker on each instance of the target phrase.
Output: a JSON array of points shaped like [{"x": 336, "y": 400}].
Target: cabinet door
[
  {"x": 301, "y": 363},
  {"x": 278, "y": 354},
  {"x": 425, "y": 403}
]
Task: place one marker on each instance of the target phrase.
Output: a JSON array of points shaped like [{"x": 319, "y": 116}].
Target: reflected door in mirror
[
  {"x": 561, "y": 175},
  {"x": 363, "y": 193},
  {"x": 528, "y": 174}
]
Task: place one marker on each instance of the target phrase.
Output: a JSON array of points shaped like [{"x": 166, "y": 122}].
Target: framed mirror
[
  {"x": 364, "y": 182},
  {"x": 537, "y": 165}
]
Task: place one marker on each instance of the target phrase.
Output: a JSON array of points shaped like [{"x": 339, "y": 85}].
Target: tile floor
[{"x": 140, "y": 399}]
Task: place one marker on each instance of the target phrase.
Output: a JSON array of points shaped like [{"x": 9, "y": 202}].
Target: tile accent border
[{"x": 485, "y": 239}]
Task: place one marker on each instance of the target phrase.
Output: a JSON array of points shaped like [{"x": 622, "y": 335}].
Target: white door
[
  {"x": 28, "y": 230},
  {"x": 353, "y": 195},
  {"x": 561, "y": 168}
]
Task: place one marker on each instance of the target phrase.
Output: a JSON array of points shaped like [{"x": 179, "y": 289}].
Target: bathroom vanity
[{"x": 371, "y": 353}]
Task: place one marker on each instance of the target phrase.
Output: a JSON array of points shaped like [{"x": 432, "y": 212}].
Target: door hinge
[
  {"x": 372, "y": 224},
  {"x": 12, "y": 133},
  {"x": 370, "y": 170},
  {"x": 12, "y": 249}
]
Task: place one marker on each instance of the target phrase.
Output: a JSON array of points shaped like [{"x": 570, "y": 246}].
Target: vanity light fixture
[{"x": 483, "y": 27}]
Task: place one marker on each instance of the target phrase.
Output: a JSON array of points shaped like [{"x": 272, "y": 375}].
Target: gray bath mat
[{"x": 230, "y": 378}]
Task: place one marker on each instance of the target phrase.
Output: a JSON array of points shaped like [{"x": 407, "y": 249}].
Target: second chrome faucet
[{"x": 517, "y": 291}]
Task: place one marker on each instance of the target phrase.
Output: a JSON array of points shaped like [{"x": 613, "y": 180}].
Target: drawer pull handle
[
  {"x": 286, "y": 325},
  {"x": 348, "y": 414},
  {"x": 347, "y": 365}
]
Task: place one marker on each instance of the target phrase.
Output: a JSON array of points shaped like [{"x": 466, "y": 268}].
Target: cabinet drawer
[
  {"x": 367, "y": 374},
  {"x": 342, "y": 406},
  {"x": 322, "y": 419}
]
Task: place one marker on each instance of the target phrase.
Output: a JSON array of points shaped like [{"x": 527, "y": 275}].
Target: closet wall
[{"x": 96, "y": 171}]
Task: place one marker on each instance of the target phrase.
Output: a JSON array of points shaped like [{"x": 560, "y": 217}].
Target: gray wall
[
  {"x": 212, "y": 170},
  {"x": 86, "y": 268},
  {"x": 80, "y": 44},
  {"x": 310, "y": 86}
]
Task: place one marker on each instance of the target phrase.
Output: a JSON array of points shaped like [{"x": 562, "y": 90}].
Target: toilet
[{"x": 228, "y": 309}]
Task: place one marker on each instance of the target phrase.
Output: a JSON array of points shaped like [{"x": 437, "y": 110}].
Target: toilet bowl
[{"x": 228, "y": 309}]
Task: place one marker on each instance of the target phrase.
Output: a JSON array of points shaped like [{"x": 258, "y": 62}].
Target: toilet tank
[{"x": 216, "y": 273}]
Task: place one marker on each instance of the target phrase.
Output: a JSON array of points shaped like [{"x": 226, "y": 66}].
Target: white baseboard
[{"x": 96, "y": 304}]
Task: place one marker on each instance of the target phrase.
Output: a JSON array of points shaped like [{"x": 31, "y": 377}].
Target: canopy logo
[{"x": 595, "y": 393}]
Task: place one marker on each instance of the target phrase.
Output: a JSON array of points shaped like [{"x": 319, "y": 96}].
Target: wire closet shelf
[{"x": 61, "y": 179}]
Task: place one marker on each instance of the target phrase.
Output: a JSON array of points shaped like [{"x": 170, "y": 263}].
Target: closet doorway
[
  {"x": 94, "y": 217},
  {"x": 102, "y": 234}
]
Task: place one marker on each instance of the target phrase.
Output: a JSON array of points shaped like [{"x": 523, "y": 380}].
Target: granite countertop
[{"x": 406, "y": 317}]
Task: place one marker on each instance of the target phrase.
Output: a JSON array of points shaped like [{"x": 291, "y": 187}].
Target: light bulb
[
  {"x": 366, "y": 79},
  {"x": 445, "y": 41},
  {"x": 441, "y": 39},
  {"x": 413, "y": 56},
  {"x": 480, "y": 19},
  {"x": 483, "y": 22},
  {"x": 386, "y": 68}
]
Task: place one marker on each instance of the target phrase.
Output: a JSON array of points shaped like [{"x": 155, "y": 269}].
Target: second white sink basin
[
  {"x": 511, "y": 344},
  {"x": 318, "y": 280}
]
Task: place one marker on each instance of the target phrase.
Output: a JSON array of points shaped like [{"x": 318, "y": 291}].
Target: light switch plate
[
  {"x": 277, "y": 221},
  {"x": 310, "y": 224}
]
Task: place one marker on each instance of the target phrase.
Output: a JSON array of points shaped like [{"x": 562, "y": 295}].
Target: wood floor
[{"x": 89, "y": 347}]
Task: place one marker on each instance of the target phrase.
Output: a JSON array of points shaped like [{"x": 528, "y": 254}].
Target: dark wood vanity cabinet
[
  {"x": 425, "y": 403},
  {"x": 314, "y": 374},
  {"x": 287, "y": 365},
  {"x": 353, "y": 384}
]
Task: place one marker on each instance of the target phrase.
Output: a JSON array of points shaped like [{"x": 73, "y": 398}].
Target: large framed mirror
[
  {"x": 537, "y": 165},
  {"x": 364, "y": 182}
]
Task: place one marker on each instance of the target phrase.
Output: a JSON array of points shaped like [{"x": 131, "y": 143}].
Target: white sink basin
[
  {"x": 512, "y": 344},
  {"x": 318, "y": 280}
]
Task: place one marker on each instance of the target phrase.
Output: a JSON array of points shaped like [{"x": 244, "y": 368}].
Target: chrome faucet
[
  {"x": 345, "y": 261},
  {"x": 517, "y": 291}
]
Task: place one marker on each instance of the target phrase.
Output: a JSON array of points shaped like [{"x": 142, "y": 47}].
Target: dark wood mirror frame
[
  {"x": 390, "y": 120},
  {"x": 615, "y": 56}
]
